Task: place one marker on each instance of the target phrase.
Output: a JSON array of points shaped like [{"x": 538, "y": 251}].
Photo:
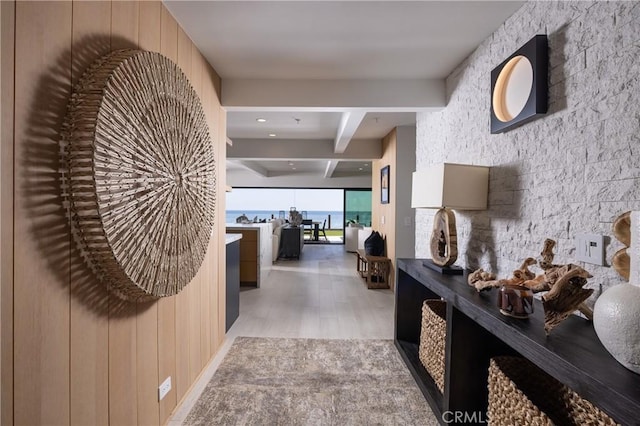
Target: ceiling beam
[
  {"x": 404, "y": 95},
  {"x": 331, "y": 167},
  {"x": 255, "y": 168},
  {"x": 349, "y": 123},
  {"x": 239, "y": 178},
  {"x": 286, "y": 149}
]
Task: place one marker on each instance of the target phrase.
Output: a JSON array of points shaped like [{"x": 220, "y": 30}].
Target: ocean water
[{"x": 335, "y": 219}]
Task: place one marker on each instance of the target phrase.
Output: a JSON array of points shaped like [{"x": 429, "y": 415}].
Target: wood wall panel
[
  {"x": 216, "y": 118},
  {"x": 169, "y": 345},
  {"x": 167, "y": 353},
  {"x": 216, "y": 327},
  {"x": 41, "y": 297},
  {"x": 220, "y": 293},
  {"x": 196, "y": 360},
  {"x": 7, "y": 17},
  {"x": 123, "y": 403},
  {"x": 124, "y": 24},
  {"x": 193, "y": 317},
  {"x": 197, "y": 76},
  {"x": 147, "y": 363},
  {"x": 168, "y": 35},
  {"x": 209, "y": 305},
  {"x": 123, "y": 372},
  {"x": 89, "y": 318},
  {"x": 206, "y": 308},
  {"x": 149, "y": 26},
  {"x": 80, "y": 355},
  {"x": 209, "y": 267},
  {"x": 387, "y": 229},
  {"x": 147, "y": 320},
  {"x": 183, "y": 299}
]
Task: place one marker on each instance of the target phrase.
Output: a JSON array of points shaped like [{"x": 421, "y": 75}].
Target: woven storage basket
[
  {"x": 522, "y": 394},
  {"x": 432, "y": 339}
]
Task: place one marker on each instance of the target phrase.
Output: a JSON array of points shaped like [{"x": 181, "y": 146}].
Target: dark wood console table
[{"x": 476, "y": 332}]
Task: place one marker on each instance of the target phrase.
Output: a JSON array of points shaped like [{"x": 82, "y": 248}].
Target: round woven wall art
[{"x": 140, "y": 176}]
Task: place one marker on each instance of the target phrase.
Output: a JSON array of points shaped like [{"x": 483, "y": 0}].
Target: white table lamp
[{"x": 448, "y": 187}]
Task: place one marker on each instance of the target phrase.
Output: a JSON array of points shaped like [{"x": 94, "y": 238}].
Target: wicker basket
[
  {"x": 522, "y": 394},
  {"x": 432, "y": 339}
]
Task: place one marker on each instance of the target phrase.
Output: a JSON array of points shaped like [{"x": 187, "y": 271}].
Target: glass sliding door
[{"x": 357, "y": 206}]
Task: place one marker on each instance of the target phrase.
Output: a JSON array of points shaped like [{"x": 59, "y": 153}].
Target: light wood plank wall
[
  {"x": 7, "y": 32},
  {"x": 71, "y": 352},
  {"x": 387, "y": 229}
]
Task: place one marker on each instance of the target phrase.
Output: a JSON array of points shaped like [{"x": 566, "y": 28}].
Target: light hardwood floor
[{"x": 318, "y": 296}]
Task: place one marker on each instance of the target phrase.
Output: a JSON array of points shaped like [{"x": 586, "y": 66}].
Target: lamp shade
[{"x": 456, "y": 186}]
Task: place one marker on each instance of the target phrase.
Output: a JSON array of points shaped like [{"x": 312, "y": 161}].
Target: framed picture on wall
[{"x": 384, "y": 185}]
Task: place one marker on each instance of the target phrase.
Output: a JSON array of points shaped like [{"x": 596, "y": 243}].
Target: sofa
[{"x": 276, "y": 231}]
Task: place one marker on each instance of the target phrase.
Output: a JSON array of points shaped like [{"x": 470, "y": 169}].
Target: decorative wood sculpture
[
  {"x": 563, "y": 284},
  {"x": 547, "y": 255},
  {"x": 140, "y": 176},
  {"x": 565, "y": 296},
  {"x": 621, "y": 261},
  {"x": 444, "y": 240}
]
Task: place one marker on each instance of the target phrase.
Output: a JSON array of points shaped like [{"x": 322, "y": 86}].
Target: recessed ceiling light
[
  {"x": 261, "y": 120},
  {"x": 360, "y": 168},
  {"x": 272, "y": 135},
  {"x": 293, "y": 168},
  {"x": 366, "y": 164}
]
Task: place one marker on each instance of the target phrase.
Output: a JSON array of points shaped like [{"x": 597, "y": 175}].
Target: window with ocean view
[
  {"x": 357, "y": 206},
  {"x": 317, "y": 204}
]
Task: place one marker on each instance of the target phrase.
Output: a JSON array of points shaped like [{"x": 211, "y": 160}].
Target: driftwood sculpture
[
  {"x": 444, "y": 239},
  {"x": 566, "y": 295},
  {"x": 563, "y": 284}
]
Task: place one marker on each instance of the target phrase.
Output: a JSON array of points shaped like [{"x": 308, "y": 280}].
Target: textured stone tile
[
  {"x": 607, "y": 149},
  {"x": 626, "y": 12},
  {"x": 570, "y": 171},
  {"x": 609, "y": 211}
]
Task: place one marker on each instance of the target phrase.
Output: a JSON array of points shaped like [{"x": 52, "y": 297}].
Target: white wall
[{"x": 573, "y": 170}]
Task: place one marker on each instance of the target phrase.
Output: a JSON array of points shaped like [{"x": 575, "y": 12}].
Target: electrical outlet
[
  {"x": 164, "y": 388},
  {"x": 590, "y": 248}
]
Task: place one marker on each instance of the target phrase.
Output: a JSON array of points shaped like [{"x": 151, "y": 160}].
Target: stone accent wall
[{"x": 571, "y": 171}]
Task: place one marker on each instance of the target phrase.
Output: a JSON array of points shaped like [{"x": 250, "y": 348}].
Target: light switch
[{"x": 590, "y": 248}]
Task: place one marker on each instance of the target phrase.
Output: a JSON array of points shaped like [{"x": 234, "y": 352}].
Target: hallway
[{"x": 318, "y": 296}]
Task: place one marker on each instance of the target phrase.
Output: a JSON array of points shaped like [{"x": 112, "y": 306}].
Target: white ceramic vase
[
  {"x": 616, "y": 314},
  {"x": 616, "y": 318}
]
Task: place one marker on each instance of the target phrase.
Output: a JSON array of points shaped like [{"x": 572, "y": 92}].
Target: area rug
[{"x": 277, "y": 381}]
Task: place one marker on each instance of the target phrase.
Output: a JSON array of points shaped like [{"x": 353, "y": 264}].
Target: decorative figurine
[{"x": 563, "y": 284}]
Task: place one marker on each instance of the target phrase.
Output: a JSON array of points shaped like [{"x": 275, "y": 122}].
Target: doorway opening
[{"x": 326, "y": 212}]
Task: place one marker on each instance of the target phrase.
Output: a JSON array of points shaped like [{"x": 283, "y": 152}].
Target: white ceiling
[
  {"x": 337, "y": 70},
  {"x": 310, "y": 124}
]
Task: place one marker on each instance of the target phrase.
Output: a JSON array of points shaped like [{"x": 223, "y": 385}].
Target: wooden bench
[{"x": 374, "y": 269}]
